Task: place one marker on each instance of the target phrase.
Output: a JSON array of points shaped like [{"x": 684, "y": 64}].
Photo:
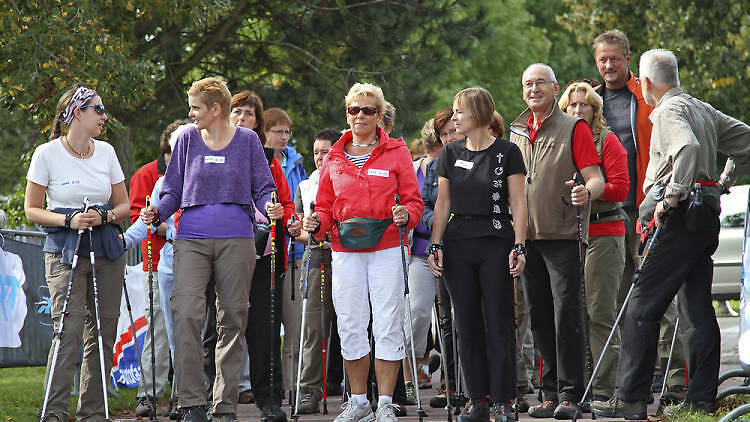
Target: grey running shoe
[
  {"x": 355, "y": 412},
  {"x": 386, "y": 413}
]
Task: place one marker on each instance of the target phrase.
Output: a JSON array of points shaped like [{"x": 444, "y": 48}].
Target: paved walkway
[{"x": 248, "y": 412}]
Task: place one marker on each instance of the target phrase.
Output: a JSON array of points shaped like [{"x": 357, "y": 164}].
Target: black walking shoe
[
  {"x": 194, "y": 414},
  {"x": 246, "y": 397},
  {"x": 479, "y": 412},
  {"x": 143, "y": 406},
  {"x": 439, "y": 401},
  {"x": 272, "y": 413},
  {"x": 675, "y": 394},
  {"x": 503, "y": 412},
  {"x": 521, "y": 405},
  {"x": 567, "y": 410},
  {"x": 543, "y": 410},
  {"x": 223, "y": 417},
  {"x": 616, "y": 408},
  {"x": 707, "y": 407}
]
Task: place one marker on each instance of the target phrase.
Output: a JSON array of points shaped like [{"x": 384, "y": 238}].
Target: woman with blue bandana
[{"x": 66, "y": 170}]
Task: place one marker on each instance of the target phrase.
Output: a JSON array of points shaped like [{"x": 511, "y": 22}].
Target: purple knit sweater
[{"x": 197, "y": 175}]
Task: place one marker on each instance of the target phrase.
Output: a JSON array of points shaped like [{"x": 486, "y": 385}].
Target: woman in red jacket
[
  {"x": 355, "y": 201},
  {"x": 605, "y": 254}
]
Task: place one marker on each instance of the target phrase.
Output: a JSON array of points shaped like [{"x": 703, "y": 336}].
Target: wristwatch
[
  {"x": 665, "y": 205},
  {"x": 519, "y": 249}
]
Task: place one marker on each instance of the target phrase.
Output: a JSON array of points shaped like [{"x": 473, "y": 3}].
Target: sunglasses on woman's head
[
  {"x": 98, "y": 108},
  {"x": 369, "y": 111}
]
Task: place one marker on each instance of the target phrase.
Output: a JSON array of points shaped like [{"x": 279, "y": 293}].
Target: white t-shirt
[{"x": 69, "y": 179}]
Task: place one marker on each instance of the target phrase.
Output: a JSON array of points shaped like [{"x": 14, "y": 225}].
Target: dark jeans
[
  {"x": 479, "y": 282},
  {"x": 553, "y": 293},
  {"x": 678, "y": 263}
]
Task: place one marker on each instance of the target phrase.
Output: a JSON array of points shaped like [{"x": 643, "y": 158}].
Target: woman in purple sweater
[{"x": 217, "y": 175}]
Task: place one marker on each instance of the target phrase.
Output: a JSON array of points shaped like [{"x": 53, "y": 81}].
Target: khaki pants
[
  {"x": 231, "y": 261},
  {"x": 161, "y": 345},
  {"x": 312, "y": 359},
  {"x": 605, "y": 260},
  {"x": 80, "y": 324}
]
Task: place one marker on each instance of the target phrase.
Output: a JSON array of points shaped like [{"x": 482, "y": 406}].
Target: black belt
[
  {"x": 605, "y": 214},
  {"x": 471, "y": 217}
]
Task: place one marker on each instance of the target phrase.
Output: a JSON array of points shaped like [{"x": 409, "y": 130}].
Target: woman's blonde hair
[
  {"x": 213, "y": 90},
  {"x": 593, "y": 99},
  {"x": 366, "y": 90},
  {"x": 430, "y": 139}
]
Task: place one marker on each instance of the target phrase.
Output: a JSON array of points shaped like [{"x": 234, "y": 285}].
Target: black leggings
[{"x": 480, "y": 285}]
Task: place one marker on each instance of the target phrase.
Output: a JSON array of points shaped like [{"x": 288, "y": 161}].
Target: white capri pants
[
  {"x": 365, "y": 279},
  {"x": 422, "y": 289}
]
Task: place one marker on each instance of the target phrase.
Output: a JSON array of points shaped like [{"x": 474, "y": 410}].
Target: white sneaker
[
  {"x": 386, "y": 413},
  {"x": 355, "y": 412}
]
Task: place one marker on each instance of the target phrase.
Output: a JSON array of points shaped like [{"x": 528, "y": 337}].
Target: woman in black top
[{"x": 472, "y": 233}]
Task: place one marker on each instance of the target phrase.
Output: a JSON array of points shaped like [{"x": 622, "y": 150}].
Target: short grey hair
[
  {"x": 545, "y": 66},
  {"x": 660, "y": 67}
]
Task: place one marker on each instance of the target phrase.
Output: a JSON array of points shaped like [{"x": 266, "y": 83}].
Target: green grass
[{"x": 22, "y": 394}]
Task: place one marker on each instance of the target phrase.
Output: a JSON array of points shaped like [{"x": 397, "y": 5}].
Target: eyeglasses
[
  {"x": 369, "y": 110},
  {"x": 98, "y": 108},
  {"x": 540, "y": 83},
  {"x": 282, "y": 132}
]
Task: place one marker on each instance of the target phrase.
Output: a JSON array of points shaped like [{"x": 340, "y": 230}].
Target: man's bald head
[{"x": 548, "y": 70}]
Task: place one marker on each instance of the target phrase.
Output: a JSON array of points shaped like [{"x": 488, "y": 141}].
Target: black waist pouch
[
  {"x": 362, "y": 233},
  {"x": 261, "y": 232}
]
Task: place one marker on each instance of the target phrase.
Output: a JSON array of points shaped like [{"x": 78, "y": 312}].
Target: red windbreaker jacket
[{"x": 346, "y": 191}]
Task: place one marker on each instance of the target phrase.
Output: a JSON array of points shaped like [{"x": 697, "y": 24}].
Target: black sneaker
[
  {"x": 246, "y": 397},
  {"x": 706, "y": 407},
  {"x": 616, "y": 408},
  {"x": 675, "y": 394},
  {"x": 521, "y": 405},
  {"x": 439, "y": 401},
  {"x": 503, "y": 412},
  {"x": 272, "y": 413},
  {"x": 194, "y": 414},
  {"x": 567, "y": 410},
  {"x": 223, "y": 417},
  {"x": 143, "y": 406},
  {"x": 543, "y": 410},
  {"x": 479, "y": 412}
]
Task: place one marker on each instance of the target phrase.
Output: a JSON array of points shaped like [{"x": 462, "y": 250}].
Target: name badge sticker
[
  {"x": 377, "y": 172},
  {"x": 215, "y": 159},
  {"x": 468, "y": 165}
]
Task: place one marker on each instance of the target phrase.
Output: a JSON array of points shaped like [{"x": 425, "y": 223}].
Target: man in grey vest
[
  {"x": 555, "y": 147},
  {"x": 682, "y": 187},
  {"x": 627, "y": 116}
]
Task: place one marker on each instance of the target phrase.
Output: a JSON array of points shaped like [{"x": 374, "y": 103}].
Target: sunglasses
[
  {"x": 98, "y": 108},
  {"x": 369, "y": 111}
]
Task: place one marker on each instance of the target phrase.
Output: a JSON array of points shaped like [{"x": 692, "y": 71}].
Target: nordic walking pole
[
  {"x": 305, "y": 288},
  {"x": 98, "y": 320},
  {"x": 151, "y": 315},
  {"x": 132, "y": 322},
  {"x": 636, "y": 277},
  {"x": 662, "y": 401},
  {"x": 584, "y": 307},
  {"x": 515, "y": 326},
  {"x": 58, "y": 335},
  {"x": 443, "y": 353},
  {"x": 273, "y": 302},
  {"x": 323, "y": 309},
  {"x": 401, "y": 229},
  {"x": 292, "y": 288}
]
